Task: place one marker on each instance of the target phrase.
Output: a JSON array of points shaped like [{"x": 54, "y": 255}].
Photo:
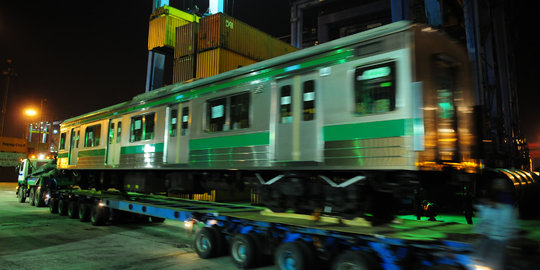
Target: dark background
[{"x": 86, "y": 55}]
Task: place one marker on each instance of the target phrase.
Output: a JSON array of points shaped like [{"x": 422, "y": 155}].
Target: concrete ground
[{"x": 33, "y": 238}]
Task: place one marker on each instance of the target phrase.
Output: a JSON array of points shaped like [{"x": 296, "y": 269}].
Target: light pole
[{"x": 30, "y": 113}]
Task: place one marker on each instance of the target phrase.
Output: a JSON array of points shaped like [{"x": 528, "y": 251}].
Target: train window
[
  {"x": 111, "y": 133},
  {"x": 118, "y": 132},
  {"x": 185, "y": 121},
  {"x": 309, "y": 100},
  {"x": 62, "y": 141},
  {"x": 216, "y": 115},
  {"x": 285, "y": 107},
  {"x": 142, "y": 127},
  {"x": 149, "y": 123},
  {"x": 173, "y": 122},
  {"x": 375, "y": 88},
  {"x": 239, "y": 111},
  {"x": 92, "y": 136},
  {"x": 77, "y": 137},
  {"x": 136, "y": 128}
]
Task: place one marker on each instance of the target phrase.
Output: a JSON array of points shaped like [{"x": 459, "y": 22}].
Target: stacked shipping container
[
  {"x": 223, "y": 31},
  {"x": 220, "y": 43},
  {"x": 185, "y": 52}
]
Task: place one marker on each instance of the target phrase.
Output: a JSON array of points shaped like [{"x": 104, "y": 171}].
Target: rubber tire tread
[
  {"x": 297, "y": 252},
  {"x": 358, "y": 258},
  {"x": 209, "y": 234},
  {"x": 252, "y": 256}
]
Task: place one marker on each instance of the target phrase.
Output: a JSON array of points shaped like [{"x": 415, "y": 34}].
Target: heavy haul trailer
[{"x": 254, "y": 236}]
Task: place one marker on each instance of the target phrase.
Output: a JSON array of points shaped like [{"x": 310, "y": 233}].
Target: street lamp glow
[{"x": 30, "y": 112}]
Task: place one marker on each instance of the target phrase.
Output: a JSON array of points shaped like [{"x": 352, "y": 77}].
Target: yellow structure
[{"x": 163, "y": 24}]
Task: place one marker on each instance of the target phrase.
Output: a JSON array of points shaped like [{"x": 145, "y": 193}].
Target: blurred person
[{"x": 497, "y": 225}]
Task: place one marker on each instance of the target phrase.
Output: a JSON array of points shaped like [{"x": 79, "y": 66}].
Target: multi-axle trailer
[{"x": 254, "y": 236}]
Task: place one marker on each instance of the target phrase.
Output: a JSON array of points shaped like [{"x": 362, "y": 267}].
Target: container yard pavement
[{"x": 33, "y": 238}]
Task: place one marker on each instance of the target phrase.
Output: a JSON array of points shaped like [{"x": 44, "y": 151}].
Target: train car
[{"x": 347, "y": 127}]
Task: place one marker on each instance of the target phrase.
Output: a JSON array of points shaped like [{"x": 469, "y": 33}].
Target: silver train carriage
[{"x": 343, "y": 126}]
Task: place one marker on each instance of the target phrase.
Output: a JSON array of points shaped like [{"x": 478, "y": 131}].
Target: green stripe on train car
[
  {"x": 63, "y": 155},
  {"x": 242, "y": 140},
  {"x": 91, "y": 153},
  {"x": 370, "y": 130},
  {"x": 141, "y": 149}
]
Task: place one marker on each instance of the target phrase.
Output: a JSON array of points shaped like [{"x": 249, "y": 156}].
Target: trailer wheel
[
  {"x": 291, "y": 255},
  {"x": 354, "y": 260},
  {"x": 53, "y": 205},
  {"x": 206, "y": 243},
  {"x": 84, "y": 212},
  {"x": 62, "y": 207},
  {"x": 73, "y": 209},
  {"x": 99, "y": 215},
  {"x": 244, "y": 250},
  {"x": 21, "y": 194}
]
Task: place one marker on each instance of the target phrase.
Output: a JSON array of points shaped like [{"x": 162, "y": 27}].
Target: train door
[
  {"x": 298, "y": 122},
  {"x": 75, "y": 136},
  {"x": 114, "y": 139},
  {"x": 177, "y": 135}
]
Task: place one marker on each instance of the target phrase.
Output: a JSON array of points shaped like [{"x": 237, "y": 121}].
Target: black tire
[
  {"x": 21, "y": 194},
  {"x": 245, "y": 252},
  {"x": 62, "y": 207},
  {"x": 206, "y": 243},
  {"x": 99, "y": 215},
  {"x": 73, "y": 209},
  {"x": 32, "y": 196},
  {"x": 354, "y": 260},
  {"x": 39, "y": 201},
  {"x": 84, "y": 212},
  {"x": 53, "y": 205},
  {"x": 291, "y": 255}
]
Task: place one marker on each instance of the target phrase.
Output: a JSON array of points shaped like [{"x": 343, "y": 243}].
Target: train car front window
[
  {"x": 375, "y": 88},
  {"x": 92, "y": 136}
]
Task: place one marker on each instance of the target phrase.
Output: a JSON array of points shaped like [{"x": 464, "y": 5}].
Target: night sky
[{"x": 83, "y": 58}]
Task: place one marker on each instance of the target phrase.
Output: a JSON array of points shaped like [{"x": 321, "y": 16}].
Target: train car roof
[{"x": 184, "y": 91}]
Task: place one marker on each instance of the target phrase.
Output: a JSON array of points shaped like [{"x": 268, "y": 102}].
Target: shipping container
[
  {"x": 184, "y": 68},
  {"x": 186, "y": 39},
  {"x": 216, "y": 61},
  {"x": 223, "y": 31},
  {"x": 162, "y": 31}
]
